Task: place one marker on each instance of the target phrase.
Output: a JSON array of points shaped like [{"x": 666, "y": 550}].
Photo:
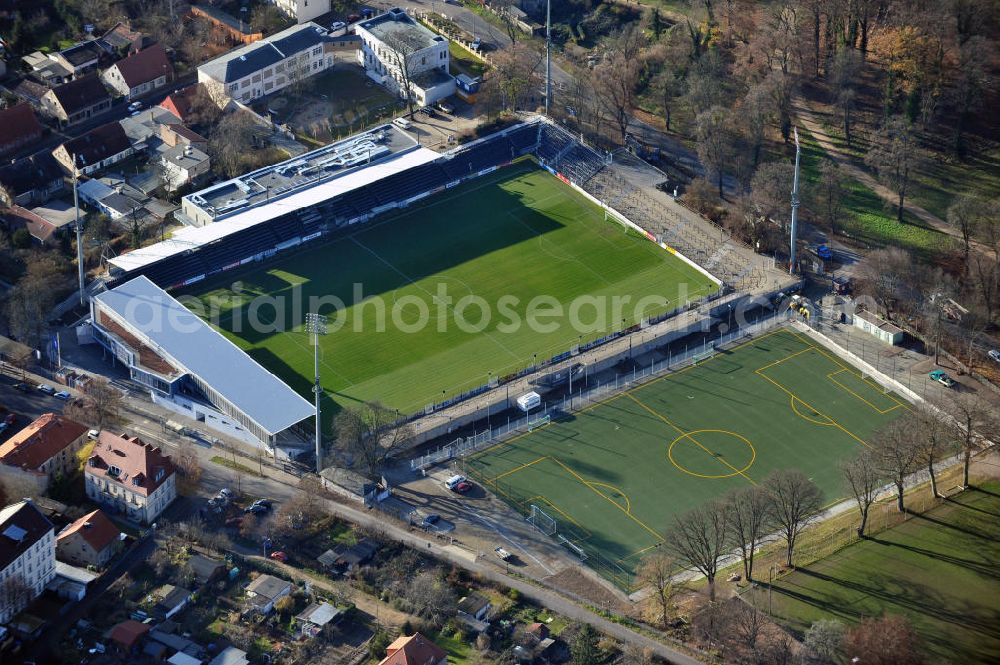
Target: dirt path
[{"x": 810, "y": 120}]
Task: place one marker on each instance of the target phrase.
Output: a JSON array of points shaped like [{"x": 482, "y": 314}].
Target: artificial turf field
[
  {"x": 938, "y": 568},
  {"x": 613, "y": 475},
  {"x": 517, "y": 233}
]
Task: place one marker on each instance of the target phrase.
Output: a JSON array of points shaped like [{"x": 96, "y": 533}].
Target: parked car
[
  {"x": 135, "y": 106},
  {"x": 267, "y": 503},
  {"x": 426, "y": 110},
  {"x": 445, "y": 107},
  {"x": 63, "y": 395},
  {"x": 824, "y": 252},
  {"x": 994, "y": 354},
  {"x": 402, "y": 123},
  {"x": 337, "y": 25},
  {"x": 502, "y": 553},
  {"x": 476, "y": 44},
  {"x": 454, "y": 480},
  {"x": 226, "y": 492},
  {"x": 942, "y": 377},
  {"x": 47, "y": 389},
  {"x": 23, "y": 387},
  {"x": 462, "y": 487},
  {"x": 279, "y": 556},
  {"x": 3, "y": 427},
  {"x": 255, "y": 509},
  {"x": 10, "y": 419}
]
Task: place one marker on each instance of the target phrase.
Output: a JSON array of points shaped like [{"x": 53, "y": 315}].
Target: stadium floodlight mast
[
  {"x": 795, "y": 206},
  {"x": 316, "y": 324},
  {"x": 79, "y": 229},
  {"x": 548, "y": 56}
]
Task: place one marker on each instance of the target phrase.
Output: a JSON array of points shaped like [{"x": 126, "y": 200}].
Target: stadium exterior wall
[{"x": 632, "y": 225}]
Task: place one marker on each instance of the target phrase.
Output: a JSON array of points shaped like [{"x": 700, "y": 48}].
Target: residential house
[
  {"x": 348, "y": 557},
  {"x": 30, "y": 91},
  {"x": 317, "y": 618},
  {"x": 46, "y": 70},
  {"x": 414, "y": 650},
  {"x": 130, "y": 476},
  {"x": 92, "y": 540},
  {"x": 205, "y": 568},
  {"x": 121, "y": 40},
  {"x": 230, "y": 656},
  {"x": 71, "y": 582},
  {"x": 31, "y": 180},
  {"x": 183, "y": 164},
  {"x": 302, "y": 10},
  {"x": 266, "y": 66},
  {"x": 77, "y": 100},
  {"x": 170, "y": 600},
  {"x": 476, "y": 606},
  {"x": 141, "y": 73},
  {"x": 41, "y": 229},
  {"x": 127, "y": 636},
  {"x": 80, "y": 59},
  {"x": 177, "y": 134},
  {"x": 265, "y": 591},
  {"x": 27, "y": 556},
  {"x": 46, "y": 448},
  {"x": 19, "y": 127},
  {"x": 181, "y": 102},
  {"x": 97, "y": 149},
  {"x": 395, "y": 47}
]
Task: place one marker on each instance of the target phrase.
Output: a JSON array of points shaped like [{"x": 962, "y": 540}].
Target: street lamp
[{"x": 316, "y": 324}]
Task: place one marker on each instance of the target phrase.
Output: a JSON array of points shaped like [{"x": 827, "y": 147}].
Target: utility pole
[
  {"x": 795, "y": 206},
  {"x": 316, "y": 324},
  {"x": 548, "y": 56},
  {"x": 79, "y": 230}
]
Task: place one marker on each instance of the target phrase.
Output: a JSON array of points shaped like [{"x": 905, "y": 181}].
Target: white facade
[
  {"x": 303, "y": 10},
  {"x": 261, "y": 68},
  {"x": 23, "y": 579},
  {"x": 135, "y": 505},
  {"x": 393, "y": 39}
]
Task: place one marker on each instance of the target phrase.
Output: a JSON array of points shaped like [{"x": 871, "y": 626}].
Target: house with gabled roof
[
  {"x": 98, "y": 149},
  {"x": 130, "y": 477},
  {"x": 77, "y": 100},
  {"x": 140, "y": 73},
  {"x": 414, "y": 650},
  {"x": 19, "y": 127},
  {"x": 44, "y": 449},
  {"x": 92, "y": 540}
]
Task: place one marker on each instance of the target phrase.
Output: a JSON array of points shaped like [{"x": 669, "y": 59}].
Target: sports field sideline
[
  {"x": 518, "y": 233},
  {"x": 614, "y": 474}
]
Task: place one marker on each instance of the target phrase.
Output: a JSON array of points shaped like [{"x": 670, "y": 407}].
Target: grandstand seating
[{"x": 550, "y": 143}]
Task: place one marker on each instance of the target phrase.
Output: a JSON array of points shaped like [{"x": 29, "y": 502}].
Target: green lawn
[
  {"x": 865, "y": 216},
  {"x": 492, "y": 247},
  {"x": 939, "y": 569},
  {"x": 463, "y": 62},
  {"x": 614, "y": 475}
]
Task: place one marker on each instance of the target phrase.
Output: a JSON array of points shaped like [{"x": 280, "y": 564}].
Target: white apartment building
[
  {"x": 130, "y": 477},
  {"x": 27, "y": 557},
  {"x": 303, "y": 10},
  {"x": 268, "y": 65},
  {"x": 393, "y": 40}
]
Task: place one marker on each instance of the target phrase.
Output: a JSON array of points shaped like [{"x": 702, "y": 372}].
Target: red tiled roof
[
  {"x": 139, "y": 463},
  {"x": 179, "y": 103},
  {"x": 40, "y": 441},
  {"x": 96, "y": 529},
  {"x": 145, "y": 66},
  {"x": 413, "y": 650},
  {"x": 128, "y": 632},
  {"x": 39, "y": 227},
  {"x": 18, "y": 125}
]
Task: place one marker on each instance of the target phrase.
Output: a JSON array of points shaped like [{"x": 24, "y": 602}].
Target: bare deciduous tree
[
  {"x": 658, "y": 571},
  {"x": 936, "y": 441},
  {"x": 975, "y": 424},
  {"x": 897, "y": 454},
  {"x": 828, "y": 195},
  {"x": 884, "y": 640},
  {"x": 895, "y": 156},
  {"x": 748, "y": 518},
  {"x": 795, "y": 503},
  {"x": 715, "y": 142},
  {"x": 864, "y": 478},
  {"x": 371, "y": 432},
  {"x": 699, "y": 539}
]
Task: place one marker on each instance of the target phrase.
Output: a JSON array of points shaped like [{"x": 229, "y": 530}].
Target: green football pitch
[
  {"x": 496, "y": 244},
  {"x": 613, "y": 475}
]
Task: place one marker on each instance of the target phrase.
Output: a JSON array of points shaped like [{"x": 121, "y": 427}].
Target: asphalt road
[{"x": 26, "y": 405}]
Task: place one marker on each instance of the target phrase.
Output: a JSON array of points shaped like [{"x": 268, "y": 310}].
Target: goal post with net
[{"x": 542, "y": 521}]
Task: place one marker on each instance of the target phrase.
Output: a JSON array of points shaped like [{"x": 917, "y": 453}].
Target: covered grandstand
[{"x": 190, "y": 367}]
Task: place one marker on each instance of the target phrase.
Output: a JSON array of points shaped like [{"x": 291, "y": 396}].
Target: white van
[
  {"x": 453, "y": 481},
  {"x": 402, "y": 123}
]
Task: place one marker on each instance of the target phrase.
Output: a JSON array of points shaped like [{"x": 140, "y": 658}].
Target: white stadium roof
[
  {"x": 192, "y": 237},
  {"x": 195, "y": 347}
]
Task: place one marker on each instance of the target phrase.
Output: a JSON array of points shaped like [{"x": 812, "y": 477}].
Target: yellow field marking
[
  {"x": 690, "y": 435},
  {"x": 519, "y": 468},
  {"x": 605, "y": 497},
  {"x": 781, "y": 360},
  {"x": 875, "y": 408},
  {"x": 685, "y": 434},
  {"x": 808, "y": 405},
  {"x": 641, "y": 552},
  {"x": 628, "y": 504},
  {"x": 584, "y": 531},
  {"x": 804, "y": 416}
]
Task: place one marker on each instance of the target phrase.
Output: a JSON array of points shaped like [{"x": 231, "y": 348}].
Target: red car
[
  {"x": 10, "y": 419},
  {"x": 279, "y": 556},
  {"x": 462, "y": 487}
]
